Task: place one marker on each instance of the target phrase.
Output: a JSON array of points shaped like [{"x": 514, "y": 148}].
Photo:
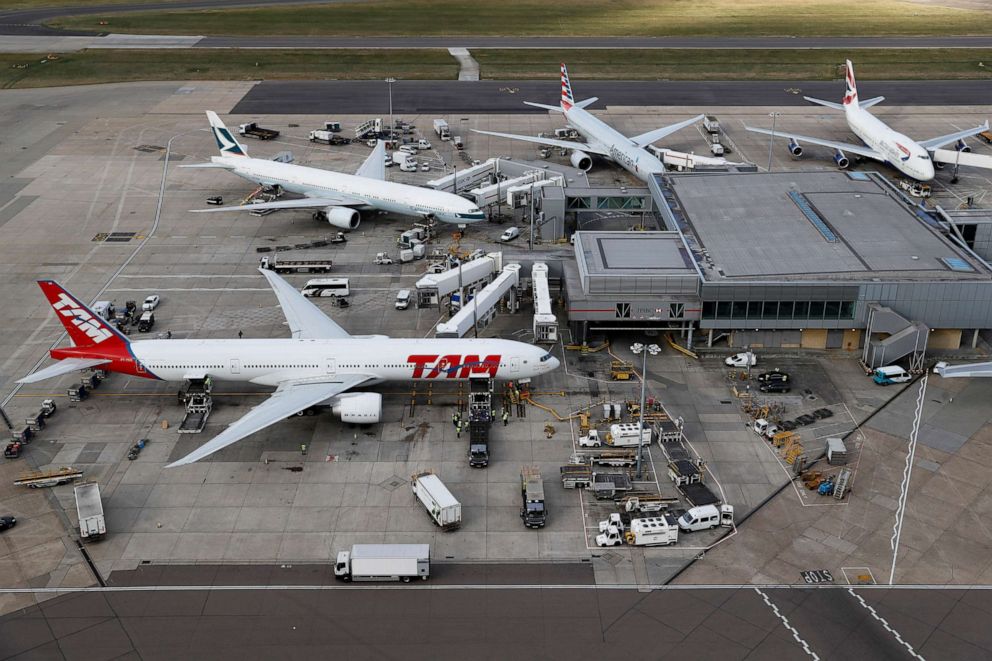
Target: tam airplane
[
  {"x": 334, "y": 197},
  {"x": 603, "y": 140},
  {"x": 913, "y": 159},
  {"x": 320, "y": 365}
]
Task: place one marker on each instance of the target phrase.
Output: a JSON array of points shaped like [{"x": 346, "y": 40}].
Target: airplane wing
[
  {"x": 551, "y": 142},
  {"x": 64, "y": 366},
  {"x": 290, "y": 398},
  {"x": 843, "y": 146},
  {"x": 374, "y": 166},
  {"x": 306, "y": 320},
  {"x": 646, "y": 139},
  {"x": 302, "y": 203},
  {"x": 938, "y": 142},
  {"x": 955, "y": 157}
]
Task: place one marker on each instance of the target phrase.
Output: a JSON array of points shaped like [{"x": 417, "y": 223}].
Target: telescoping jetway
[
  {"x": 545, "y": 322},
  {"x": 498, "y": 181},
  {"x": 433, "y": 287},
  {"x": 481, "y": 309}
]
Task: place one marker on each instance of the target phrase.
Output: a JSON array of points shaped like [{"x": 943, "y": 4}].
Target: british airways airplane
[
  {"x": 317, "y": 366},
  {"x": 335, "y": 197},
  {"x": 914, "y": 159},
  {"x": 603, "y": 140}
]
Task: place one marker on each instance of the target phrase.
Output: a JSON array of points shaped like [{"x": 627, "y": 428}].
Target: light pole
[
  {"x": 771, "y": 138},
  {"x": 390, "y": 81},
  {"x": 642, "y": 349}
]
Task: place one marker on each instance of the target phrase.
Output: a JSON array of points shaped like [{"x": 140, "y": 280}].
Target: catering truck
[
  {"x": 384, "y": 562},
  {"x": 442, "y": 507},
  {"x": 89, "y": 507},
  {"x": 533, "y": 510}
]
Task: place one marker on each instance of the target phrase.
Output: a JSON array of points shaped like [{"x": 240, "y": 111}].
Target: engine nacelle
[
  {"x": 581, "y": 160},
  {"x": 362, "y": 408},
  {"x": 962, "y": 146},
  {"x": 342, "y": 217},
  {"x": 795, "y": 148},
  {"x": 841, "y": 160}
]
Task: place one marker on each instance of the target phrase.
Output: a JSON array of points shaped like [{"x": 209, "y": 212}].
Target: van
[
  {"x": 700, "y": 518},
  {"x": 510, "y": 234},
  {"x": 403, "y": 299},
  {"x": 885, "y": 376}
]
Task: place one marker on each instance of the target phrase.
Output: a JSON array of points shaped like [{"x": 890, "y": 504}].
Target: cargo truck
[
  {"x": 295, "y": 265},
  {"x": 253, "y": 130},
  {"x": 328, "y": 138},
  {"x": 442, "y": 129},
  {"x": 442, "y": 507},
  {"x": 652, "y": 531},
  {"x": 384, "y": 562},
  {"x": 89, "y": 507},
  {"x": 624, "y": 435},
  {"x": 533, "y": 510}
]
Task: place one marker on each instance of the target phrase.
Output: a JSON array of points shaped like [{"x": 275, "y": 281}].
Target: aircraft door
[
  {"x": 331, "y": 366},
  {"x": 235, "y": 366},
  {"x": 514, "y": 365}
]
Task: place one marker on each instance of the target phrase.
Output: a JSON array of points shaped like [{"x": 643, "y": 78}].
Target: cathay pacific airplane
[
  {"x": 603, "y": 140},
  {"x": 315, "y": 367},
  {"x": 914, "y": 159},
  {"x": 335, "y": 197}
]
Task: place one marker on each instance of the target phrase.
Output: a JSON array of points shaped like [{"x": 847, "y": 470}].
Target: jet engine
[
  {"x": 363, "y": 408},
  {"x": 343, "y": 217},
  {"x": 841, "y": 160},
  {"x": 795, "y": 148},
  {"x": 962, "y": 146},
  {"x": 581, "y": 160}
]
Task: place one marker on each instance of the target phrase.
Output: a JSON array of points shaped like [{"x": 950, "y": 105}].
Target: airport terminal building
[{"x": 793, "y": 259}]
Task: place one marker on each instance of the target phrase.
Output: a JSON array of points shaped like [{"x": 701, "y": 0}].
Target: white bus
[{"x": 326, "y": 287}]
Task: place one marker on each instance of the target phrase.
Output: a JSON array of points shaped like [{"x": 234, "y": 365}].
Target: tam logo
[
  {"x": 431, "y": 366},
  {"x": 82, "y": 319}
]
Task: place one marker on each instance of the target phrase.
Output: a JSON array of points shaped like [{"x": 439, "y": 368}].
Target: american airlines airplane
[
  {"x": 335, "y": 197},
  {"x": 914, "y": 159},
  {"x": 604, "y": 140},
  {"x": 317, "y": 366}
]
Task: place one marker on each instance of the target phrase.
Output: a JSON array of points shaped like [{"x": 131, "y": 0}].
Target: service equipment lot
[{"x": 71, "y": 176}]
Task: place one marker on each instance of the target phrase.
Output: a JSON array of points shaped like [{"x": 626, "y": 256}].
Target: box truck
[
  {"x": 384, "y": 562},
  {"x": 442, "y": 507},
  {"x": 89, "y": 507}
]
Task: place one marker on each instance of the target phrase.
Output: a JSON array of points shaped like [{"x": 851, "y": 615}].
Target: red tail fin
[
  {"x": 85, "y": 327},
  {"x": 851, "y": 94}
]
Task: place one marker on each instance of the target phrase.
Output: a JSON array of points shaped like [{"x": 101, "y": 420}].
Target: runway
[{"x": 493, "y": 97}]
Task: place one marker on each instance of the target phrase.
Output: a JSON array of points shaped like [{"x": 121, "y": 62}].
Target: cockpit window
[
  {"x": 546, "y": 357},
  {"x": 925, "y": 157}
]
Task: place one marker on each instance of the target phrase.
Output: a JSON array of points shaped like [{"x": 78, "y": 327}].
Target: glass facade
[{"x": 798, "y": 310}]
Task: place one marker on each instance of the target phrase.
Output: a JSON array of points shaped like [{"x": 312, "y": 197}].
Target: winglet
[{"x": 226, "y": 142}]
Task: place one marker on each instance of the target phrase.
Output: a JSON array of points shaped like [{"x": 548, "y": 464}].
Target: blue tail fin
[{"x": 226, "y": 142}]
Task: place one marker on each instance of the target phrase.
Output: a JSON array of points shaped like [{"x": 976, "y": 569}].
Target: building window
[
  {"x": 832, "y": 310},
  {"x": 709, "y": 309},
  {"x": 847, "y": 310},
  {"x": 739, "y": 310},
  {"x": 754, "y": 310},
  {"x": 769, "y": 310},
  {"x": 816, "y": 309},
  {"x": 802, "y": 310},
  {"x": 578, "y": 203},
  {"x": 785, "y": 309},
  {"x": 724, "y": 309}
]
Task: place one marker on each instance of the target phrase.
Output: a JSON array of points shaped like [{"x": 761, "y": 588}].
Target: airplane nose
[{"x": 553, "y": 364}]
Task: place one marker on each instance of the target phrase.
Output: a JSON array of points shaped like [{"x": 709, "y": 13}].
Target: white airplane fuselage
[
  {"x": 272, "y": 361},
  {"x": 388, "y": 196},
  {"x": 901, "y": 152},
  {"x": 622, "y": 150}
]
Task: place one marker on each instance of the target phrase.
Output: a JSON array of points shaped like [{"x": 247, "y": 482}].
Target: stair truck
[
  {"x": 89, "y": 507},
  {"x": 442, "y": 507},
  {"x": 384, "y": 562},
  {"x": 533, "y": 510}
]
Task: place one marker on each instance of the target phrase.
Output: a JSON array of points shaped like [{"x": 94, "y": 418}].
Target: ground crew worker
[
  {"x": 506, "y": 417},
  {"x": 303, "y": 449},
  {"x": 454, "y": 418},
  {"x": 241, "y": 334},
  {"x": 458, "y": 428}
]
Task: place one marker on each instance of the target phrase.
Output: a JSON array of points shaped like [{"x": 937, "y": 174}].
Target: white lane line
[
  {"x": 785, "y": 623},
  {"x": 885, "y": 625},
  {"x": 907, "y": 474},
  {"x": 129, "y": 289}
]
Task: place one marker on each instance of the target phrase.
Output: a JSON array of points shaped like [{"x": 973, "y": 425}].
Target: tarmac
[{"x": 262, "y": 508}]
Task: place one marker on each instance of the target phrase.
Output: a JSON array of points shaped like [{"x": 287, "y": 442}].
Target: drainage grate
[
  {"x": 119, "y": 237},
  {"x": 392, "y": 483},
  {"x": 148, "y": 149}
]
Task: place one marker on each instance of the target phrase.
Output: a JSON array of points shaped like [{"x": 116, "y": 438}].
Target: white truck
[
  {"x": 406, "y": 162},
  {"x": 89, "y": 507},
  {"x": 652, "y": 531},
  {"x": 442, "y": 129},
  {"x": 624, "y": 435},
  {"x": 711, "y": 124},
  {"x": 384, "y": 562},
  {"x": 442, "y": 507}
]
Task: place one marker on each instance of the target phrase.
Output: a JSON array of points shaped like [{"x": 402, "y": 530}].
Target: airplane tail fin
[
  {"x": 85, "y": 327},
  {"x": 226, "y": 141},
  {"x": 851, "y": 95},
  {"x": 567, "y": 100}
]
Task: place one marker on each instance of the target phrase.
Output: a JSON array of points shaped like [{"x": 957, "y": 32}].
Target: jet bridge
[
  {"x": 435, "y": 286},
  {"x": 545, "y": 322},
  {"x": 481, "y": 309}
]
